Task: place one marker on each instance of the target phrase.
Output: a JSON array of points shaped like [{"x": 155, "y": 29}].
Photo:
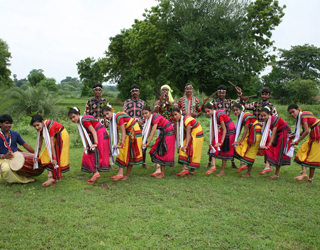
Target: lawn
[{"x": 203, "y": 212}]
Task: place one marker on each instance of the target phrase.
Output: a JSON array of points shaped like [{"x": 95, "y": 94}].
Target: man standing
[
  {"x": 8, "y": 145},
  {"x": 94, "y": 106},
  {"x": 257, "y": 106},
  {"x": 133, "y": 107},
  {"x": 166, "y": 103},
  {"x": 189, "y": 104}
]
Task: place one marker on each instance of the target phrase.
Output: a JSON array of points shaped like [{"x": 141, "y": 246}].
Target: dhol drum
[{"x": 22, "y": 163}]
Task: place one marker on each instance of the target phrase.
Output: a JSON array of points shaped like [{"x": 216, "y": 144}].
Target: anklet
[
  {"x": 303, "y": 171},
  {"x": 310, "y": 179}
]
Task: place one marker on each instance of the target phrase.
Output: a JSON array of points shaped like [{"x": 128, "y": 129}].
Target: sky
[{"x": 54, "y": 35}]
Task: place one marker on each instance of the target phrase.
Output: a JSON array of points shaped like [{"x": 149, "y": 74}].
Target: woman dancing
[
  {"x": 55, "y": 156},
  {"x": 162, "y": 152},
  {"x": 248, "y": 146},
  {"x": 308, "y": 154},
  {"x": 191, "y": 147},
  {"x": 220, "y": 141},
  {"x": 130, "y": 148},
  {"x": 275, "y": 146},
  {"x": 95, "y": 141}
]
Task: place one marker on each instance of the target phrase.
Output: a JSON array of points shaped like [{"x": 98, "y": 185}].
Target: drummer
[{"x": 8, "y": 145}]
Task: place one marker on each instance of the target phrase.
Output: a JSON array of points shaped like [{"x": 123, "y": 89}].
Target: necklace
[{"x": 5, "y": 142}]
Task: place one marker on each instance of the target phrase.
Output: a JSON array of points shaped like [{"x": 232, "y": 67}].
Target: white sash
[
  {"x": 238, "y": 127},
  {"x": 213, "y": 122},
  {"x": 113, "y": 138},
  {"x": 296, "y": 137},
  {"x": 47, "y": 141},
  {"x": 180, "y": 131},
  {"x": 146, "y": 130},
  {"x": 84, "y": 135},
  {"x": 265, "y": 132}
]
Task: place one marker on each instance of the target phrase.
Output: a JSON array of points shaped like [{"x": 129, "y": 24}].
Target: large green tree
[
  {"x": 35, "y": 76},
  {"x": 71, "y": 84},
  {"x": 5, "y": 55}
]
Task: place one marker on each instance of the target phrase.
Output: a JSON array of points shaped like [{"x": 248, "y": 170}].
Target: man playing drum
[{"x": 8, "y": 145}]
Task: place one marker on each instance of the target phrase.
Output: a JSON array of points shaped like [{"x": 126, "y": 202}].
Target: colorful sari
[
  {"x": 275, "y": 154},
  {"x": 227, "y": 150},
  {"x": 162, "y": 152},
  {"x": 97, "y": 160},
  {"x": 247, "y": 151},
  {"x": 131, "y": 152},
  {"x": 61, "y": 145},
  {"x": 192, "y": 157},
  {"x": 308, "y": 154}
]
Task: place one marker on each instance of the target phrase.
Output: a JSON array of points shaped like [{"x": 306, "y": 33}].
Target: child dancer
[
  {"x": 162, "y": 152},
  {"x": 308, "y": 154}
]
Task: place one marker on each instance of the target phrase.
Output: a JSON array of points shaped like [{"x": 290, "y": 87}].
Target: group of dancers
[{"x": 177, "y": 129}]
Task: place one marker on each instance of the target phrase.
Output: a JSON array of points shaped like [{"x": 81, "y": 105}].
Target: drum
[{"x": 22, "y": 163}]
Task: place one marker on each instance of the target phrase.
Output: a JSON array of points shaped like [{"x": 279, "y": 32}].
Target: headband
[
  {"x": 134, "y": 89},
  {"x": 76, "y": 109},
  {"x": 188, "y": 85},
  {"x": 266, "y": 107},
  {"x": 222, "y": 90},
  {"x": 97, "y": 88}
]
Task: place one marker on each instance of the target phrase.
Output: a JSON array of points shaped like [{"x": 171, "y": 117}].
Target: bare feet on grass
[
  {"x": 159, "y": 176},
  {"x": 309, "y": 181},
  {"x": 49, "y": 182},
  {"x": 246, "y": 175},
  {"x": 220, "y": 174},
  {"x": 301, "y": 177},
  {"x": 125, "y": 178}
]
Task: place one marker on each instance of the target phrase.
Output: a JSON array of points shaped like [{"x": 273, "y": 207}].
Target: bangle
[
  {"x": 186, "y": 146},
  {"x": 121, "y": 144},
  {"x": 147, "y": 145},
  {"x": 239, "y": 143},
  {"x": 54, "y": 158},
  {"x": 296, "y": 143}
]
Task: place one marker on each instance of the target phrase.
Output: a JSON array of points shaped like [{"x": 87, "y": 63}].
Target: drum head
[{"x": 17, "y": 162}]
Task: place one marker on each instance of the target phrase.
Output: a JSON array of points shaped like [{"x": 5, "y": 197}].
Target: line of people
[{"x": 264, "y": 133}]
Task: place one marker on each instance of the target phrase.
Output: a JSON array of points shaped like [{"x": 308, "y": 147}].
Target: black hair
[
  {"x": 97, "y": 85},
  {"x": 267, "y": 110},
  {"x": 176, "y": 110},
  {"x": 265, "y": 90},
  {"x": 293, "y": 106},
  {"x": 208, "y": 106},
  {"x": 36, "y": 118},
  {"x": 6, "y": 118},
  {"x": 106, "y": 108},
  {"x": 74, "y": 110},
  {"x": 146, "y": 108},
  {"x": 135, "y": 86},
  {"x": 222, "y": 87},
  {"x": 237, "y": 105}
]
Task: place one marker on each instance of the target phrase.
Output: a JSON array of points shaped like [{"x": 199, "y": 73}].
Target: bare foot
[
  {"x": 246, "y": 175},
  {"x": 145, "y": 166},
  {"x": 116, "y": 177},
  {"x": 308, "y": 182},
  {"x": 300, "y": 177},
  {"x": 159, "y": 176},
  {"x": 124, "y": 178},
  {"x": 273, "y": 176},
  {"x": 234, "y": 166},
  {"x": 220, "y": 174},
  {"x": 49, "y": 182},
  {"x": 54, "y": 184},
  {"x": 189, "y": 175}
]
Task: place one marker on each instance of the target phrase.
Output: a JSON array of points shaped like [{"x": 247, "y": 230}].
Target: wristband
[
  {"x": 147, "y": 145},
  {"x": 95, "y": 144},
  {"x": 186, "y": 146},
  {"x": 121, "y": 144},
  {"x": 296, "y": 143},
  {"x": 54, "y": 158}
]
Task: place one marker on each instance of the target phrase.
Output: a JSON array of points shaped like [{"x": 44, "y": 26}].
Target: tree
[
  {"x": 302, "y": 91},
  {"x": 90, "y": 72},
  {"x": 71, "y": 84},
  {"x": 35, "y": 76},
  {"x": 49, "y": 84},
  {"x": 5, "y": 55}
]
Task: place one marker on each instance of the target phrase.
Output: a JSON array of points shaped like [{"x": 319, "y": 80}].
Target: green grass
[{"x": 203, "y": 212}]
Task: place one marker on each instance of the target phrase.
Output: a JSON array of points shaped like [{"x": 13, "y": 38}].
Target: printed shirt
[
  {"x": 15, "y": 138},
  {"x": 257, "y": 106},
  {"x": 94, "y": 107},
  {"x": 225, "y": 104},
  {"x": 53, "y": 127},
  {"x": 166, "y": 110},
  {"x": 193, "y": 108},
  {"x": 134, "y": 108}
]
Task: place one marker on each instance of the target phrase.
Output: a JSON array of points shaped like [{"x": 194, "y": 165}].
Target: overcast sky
[{"x": 54, "y": 35}]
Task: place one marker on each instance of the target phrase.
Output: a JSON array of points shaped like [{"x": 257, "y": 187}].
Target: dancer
[
  {"x": 162, "y": 152},
  {"x": 191, "y": 147},
  {"x": 308, "y": 154},
  {"x": 276, "y": 145},
  {"x": 133, "y": 107},
  {"x": 248, "y": 146},
  {"x": 55, "y": 156},
  {"x": 220, "y": 141},
  {"x": 130, "y": 148},
  {"x": 189, "y": 104},
  {"x": 95, "y": 141},
  {"x": 9, "y": 141}
]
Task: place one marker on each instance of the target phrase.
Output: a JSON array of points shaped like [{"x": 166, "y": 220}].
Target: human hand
[
  {"x": 54, "y": 162},
  {"x": 116, "y": 146},
  {"x": 236, "y": 143},
  {"x": 8, "y": 155},
  {"x": 93, "y": 146}
]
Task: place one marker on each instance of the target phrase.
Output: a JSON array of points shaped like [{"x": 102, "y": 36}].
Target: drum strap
[{"x": 5, "y": 141}]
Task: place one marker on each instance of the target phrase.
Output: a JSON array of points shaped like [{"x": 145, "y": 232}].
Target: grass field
[{"x": 203, "y": 212}]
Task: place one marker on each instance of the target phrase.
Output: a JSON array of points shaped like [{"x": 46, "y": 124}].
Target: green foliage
[
  {"x": 35, "y": 76},
  {"x": 49, "y": 84},
  {"x": 70, "y": 84},
  {"x": 5, "y": 55},
  {"x": 302, "y": 91},
  {"x": 90, "y": 73},
  {"x": 32, "y": 100}
]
